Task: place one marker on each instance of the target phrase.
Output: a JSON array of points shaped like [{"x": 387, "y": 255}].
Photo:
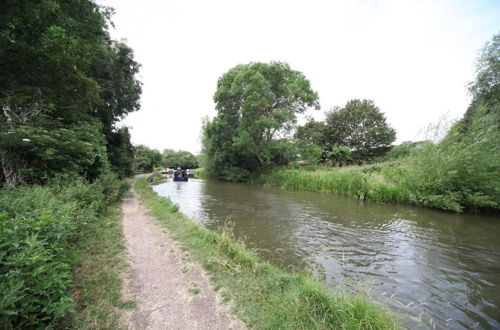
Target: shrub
[{"x": 39, "y": 228}]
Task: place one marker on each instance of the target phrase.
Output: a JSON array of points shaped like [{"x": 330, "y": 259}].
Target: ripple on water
[{"x": 439, "y": 268}]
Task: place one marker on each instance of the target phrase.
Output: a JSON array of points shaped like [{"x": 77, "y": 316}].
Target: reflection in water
[{"x": 440, "y": 268}]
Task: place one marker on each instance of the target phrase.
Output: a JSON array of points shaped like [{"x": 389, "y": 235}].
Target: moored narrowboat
[{"x": 180, "y": 175}]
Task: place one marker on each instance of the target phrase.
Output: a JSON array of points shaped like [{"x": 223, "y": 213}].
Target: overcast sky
[{"x": 414, "y": 58}]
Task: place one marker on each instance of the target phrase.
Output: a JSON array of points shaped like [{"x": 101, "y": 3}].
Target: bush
[
  {"x": 234, "y": 174},
  {"x": 39, "y": 228}
]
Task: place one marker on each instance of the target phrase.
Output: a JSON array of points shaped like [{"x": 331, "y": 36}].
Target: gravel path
[{"x": 170, "y": 291}]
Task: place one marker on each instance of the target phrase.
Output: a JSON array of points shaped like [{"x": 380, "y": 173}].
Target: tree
[
  {"x": 339, "y": 155},
  {"x": 146, "y": 159},
  {"x": 120, "y": 152},
  {"x": 485, "y": 89},
  {"x": 174, "y": 159},
  {"x": 311, "y": 136},
  {"x": 257, "y": 107},
  {"x": 61, "y": 71},
  {"x": 361, "y": 127}
]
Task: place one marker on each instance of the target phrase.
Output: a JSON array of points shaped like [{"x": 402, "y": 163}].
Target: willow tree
[{"x": 257, "y": 105}]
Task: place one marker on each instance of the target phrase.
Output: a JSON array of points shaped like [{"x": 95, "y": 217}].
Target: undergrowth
[
  {"x": 44, "y": 232},
  {"x": 264, "y": 296},
  {"x": 450, "y": 177}
]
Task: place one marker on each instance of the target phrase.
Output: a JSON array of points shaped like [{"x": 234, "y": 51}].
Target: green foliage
[
  {"x": 313, "y": 133},
  {"x": 183, "y": 159},
  {"x": 264, "y": 296},
  {"x": 486, "y": 87},
  {"x": 361, "y": 127},
  {"x": 97, "y": 282},
  {"x": 340, "y": 155},
  {"x": 363, "y": 183},
  {"x": 199, "y": 173},
  {"x": 146, "y": 159},
  {"x": 62, "y": 75},
  {"x": 405, "y": 149},
  {"x": 309, "y": 152},
  {"x": 453, "y": 175},
  {"x": 257, "y": 103},
  {"x": 463, "y": 171},
  {"x": 46, "y": 149},
  {"x": 39, "y": 227},
  {"x": 121, "y": 152}
]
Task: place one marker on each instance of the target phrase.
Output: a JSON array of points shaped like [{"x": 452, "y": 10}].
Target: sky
[{"x": 413, "y": 58}]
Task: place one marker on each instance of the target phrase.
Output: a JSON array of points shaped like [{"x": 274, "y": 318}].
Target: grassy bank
[
  {"x": 97, "y": 280},
  {"x": 371, "y": 183},
  {"x": 264, "y": 296},
  {"x": 200, "y": 173},
  {"x": 59, "y": 247},
  {"x": 449, "y": 177}
]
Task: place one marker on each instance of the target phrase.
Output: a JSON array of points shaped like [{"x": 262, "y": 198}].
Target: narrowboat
[{"x": 180, "y": 175}]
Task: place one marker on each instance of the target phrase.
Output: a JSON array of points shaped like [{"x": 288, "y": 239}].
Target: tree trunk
[
  {"x": 11, "y": 173},
  {"x": 261, "y": 161}
]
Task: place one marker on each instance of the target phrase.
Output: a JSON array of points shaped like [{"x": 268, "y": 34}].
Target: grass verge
[
  {"x": 97, "y": 281},
  {"x": 264, "y": 296}
]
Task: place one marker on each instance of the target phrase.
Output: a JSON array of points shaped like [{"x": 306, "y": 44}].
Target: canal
[{"x": 438, "y": 269}]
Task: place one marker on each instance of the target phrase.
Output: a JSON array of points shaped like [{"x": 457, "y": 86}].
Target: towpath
[{"x": 169, "y": 289}]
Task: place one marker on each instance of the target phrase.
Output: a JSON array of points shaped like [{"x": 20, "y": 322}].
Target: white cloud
[{"x": 414, "y": 58}]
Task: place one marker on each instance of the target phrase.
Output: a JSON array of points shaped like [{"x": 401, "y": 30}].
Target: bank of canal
[{"x": 440, "y": 268}]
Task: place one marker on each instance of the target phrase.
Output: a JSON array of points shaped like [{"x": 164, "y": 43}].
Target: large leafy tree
[
  {"x": 313, "y": 141},
  {"x": 184, "y": 159},
  {"x": 61, "y": 71},
  {"x": 146, "y": 159},
  {"x": 360, "y": 126},
  {"x": 257, "y": 107}
]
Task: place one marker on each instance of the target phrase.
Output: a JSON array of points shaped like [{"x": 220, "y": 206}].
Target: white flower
[{"x": 26, "y": 140}]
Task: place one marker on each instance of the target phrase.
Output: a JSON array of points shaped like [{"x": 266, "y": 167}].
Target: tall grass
[
  {"x": 264, "y": 296},
  {"x": 449, "y": 176},
  {"x": 365, "y": 183},
  {"x": 97, "y": 280}
]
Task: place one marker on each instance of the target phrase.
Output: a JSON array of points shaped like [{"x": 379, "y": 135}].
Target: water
[{"x": 439, "y": 269}]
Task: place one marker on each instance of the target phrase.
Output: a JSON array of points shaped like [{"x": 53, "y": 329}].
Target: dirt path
[{"x": 170, "y": 291}]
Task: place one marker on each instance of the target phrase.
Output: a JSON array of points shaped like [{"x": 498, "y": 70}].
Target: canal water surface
[{"x": 439, "y": 269}]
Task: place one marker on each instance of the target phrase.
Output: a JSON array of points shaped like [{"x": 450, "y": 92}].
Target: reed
[{"x": 365, "y": 183}]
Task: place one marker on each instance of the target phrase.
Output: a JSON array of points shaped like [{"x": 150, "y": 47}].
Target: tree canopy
[
  {"x": 146, "y": 159},
  {"x": 181, "y": 158},
  {"x": 257, "y": 106},
  {"x": 360, "y": 126},
  {"x": 64, "y": 86}
]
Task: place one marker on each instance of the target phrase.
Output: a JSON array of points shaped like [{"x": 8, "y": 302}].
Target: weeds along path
[{"x": 170, "y": 291}]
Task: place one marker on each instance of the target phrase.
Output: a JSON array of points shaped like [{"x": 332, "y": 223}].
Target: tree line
[
  {"x": 65, "y": 84},
  {"x": 256, "y": 128},
  {"x": 256, "y": 124},
  {"x": 147, "y": 160}
]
